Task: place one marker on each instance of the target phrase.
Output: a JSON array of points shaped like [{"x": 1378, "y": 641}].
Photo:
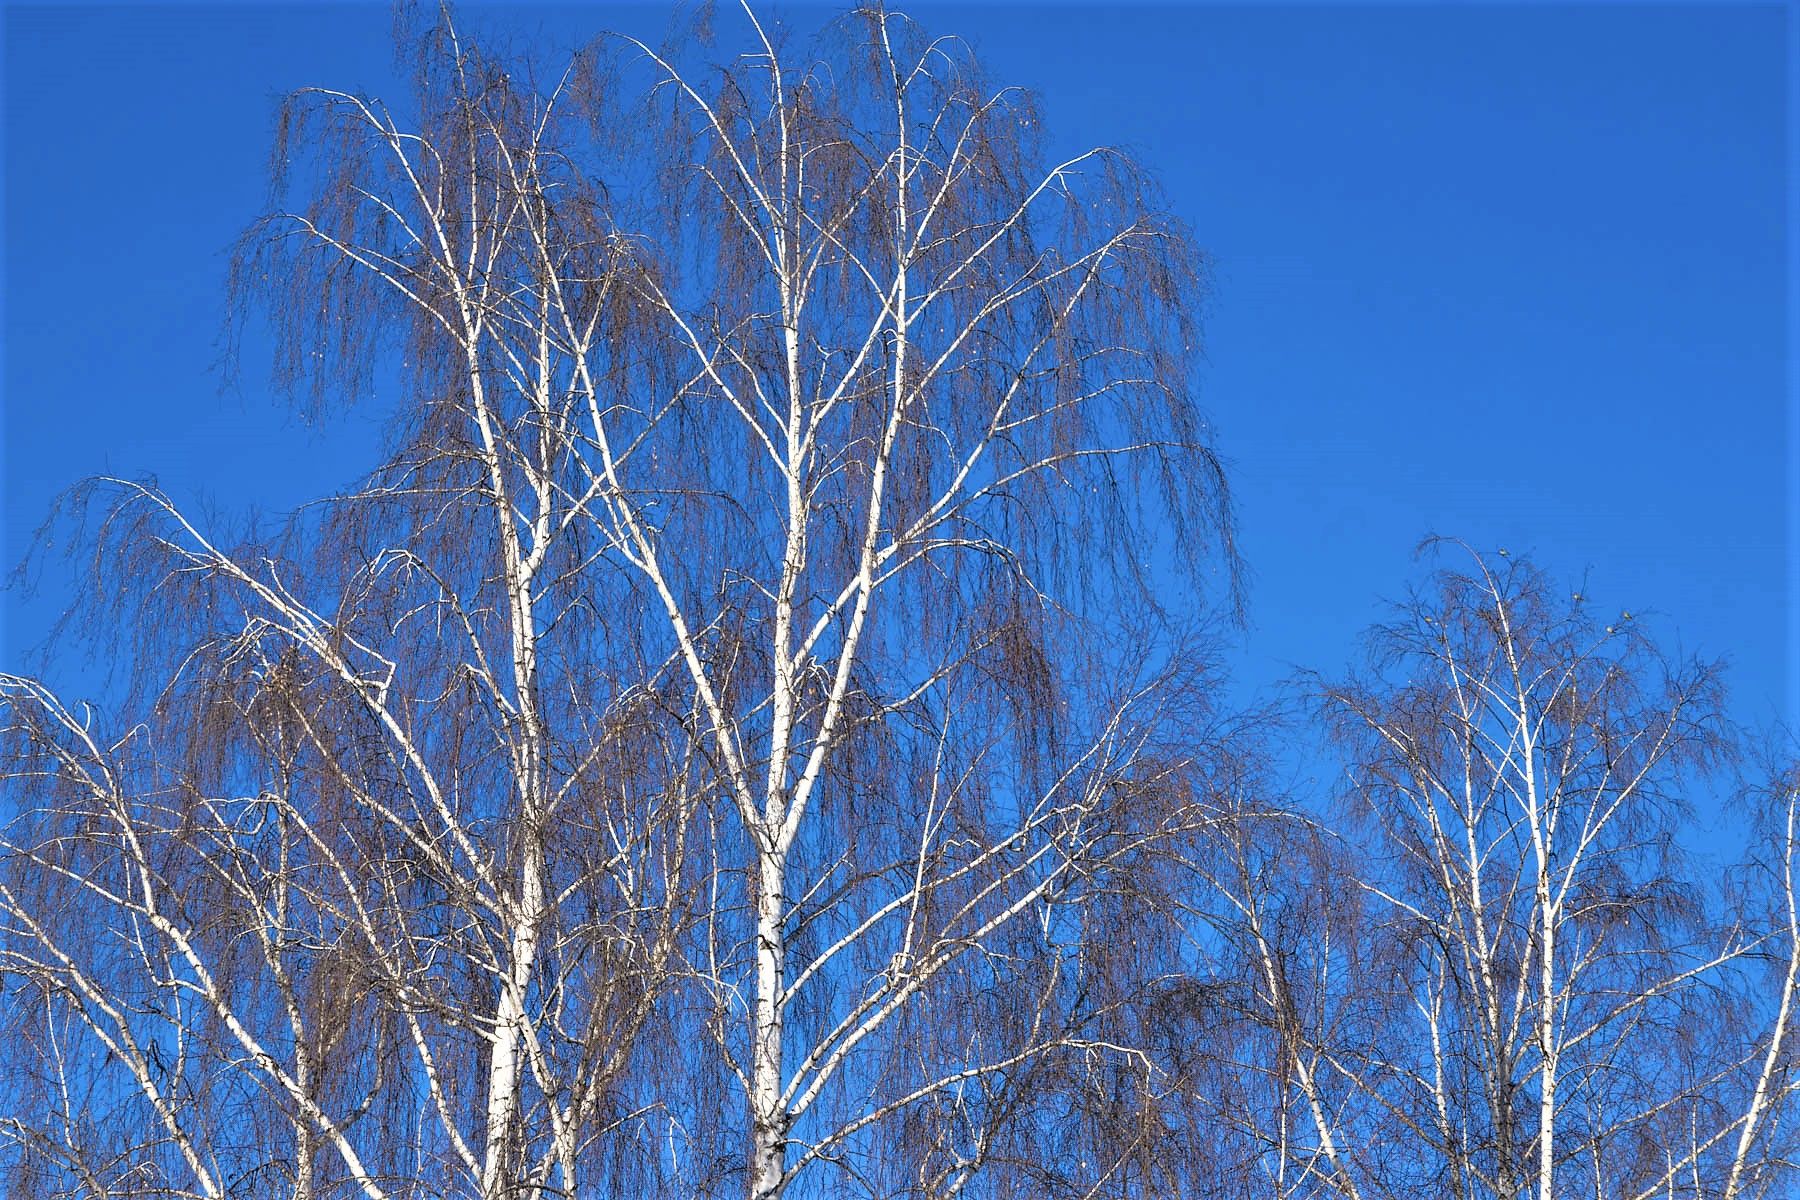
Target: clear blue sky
[{"x": 1516, "y": 274}]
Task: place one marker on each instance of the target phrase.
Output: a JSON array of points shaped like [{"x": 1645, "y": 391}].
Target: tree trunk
[{"x": 768, "y": 1142}]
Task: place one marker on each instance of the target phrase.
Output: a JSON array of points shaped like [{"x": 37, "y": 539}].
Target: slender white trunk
[
  {"x": 1790, "y": 983},
  {"x": 1547, "y": 1042},
  {"x": 1541, "y": 814},
  {"x": 1281, "y": 1000},
  {"x": 1543, "y": 830},
  {"x": 504, "y": 1076},
  {"x": 768, "y": 1152}
]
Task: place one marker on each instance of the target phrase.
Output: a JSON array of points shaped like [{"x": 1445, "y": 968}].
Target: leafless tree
[
  {"x": 375, "y": 882},
  {"x": 942, "y": 397},
  {"x": 740, "y": 723},
  {"x": 1522, "y": 987}
]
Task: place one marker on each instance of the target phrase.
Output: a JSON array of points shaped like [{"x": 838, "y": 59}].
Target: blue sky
[{"x": 1512, "y": 273}]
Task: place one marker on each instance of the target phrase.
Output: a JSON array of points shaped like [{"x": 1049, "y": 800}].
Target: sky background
[{"x": 1516, "y": 274}]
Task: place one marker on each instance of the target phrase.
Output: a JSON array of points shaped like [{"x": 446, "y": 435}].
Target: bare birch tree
[
  {"x": 739, "y": 719},
  {"x": 934, "y": 423},
  {"x": 380, "y": 875},
  {"x": 1532, "y": 992}
]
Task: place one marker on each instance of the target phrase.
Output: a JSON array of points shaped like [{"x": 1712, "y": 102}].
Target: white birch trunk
[{"x": 768, "y": 1151}]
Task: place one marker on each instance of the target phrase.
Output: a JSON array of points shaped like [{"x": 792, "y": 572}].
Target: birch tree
[
  {"x": 378, "y": 876},
  {"x": 948, "y": 428},
  {"x": 1536, "y": 994},
  {"x": 741, "y": 737}
]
